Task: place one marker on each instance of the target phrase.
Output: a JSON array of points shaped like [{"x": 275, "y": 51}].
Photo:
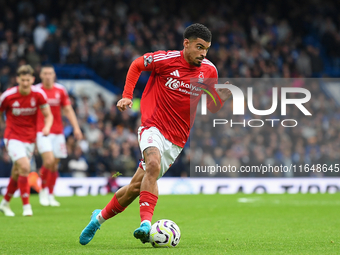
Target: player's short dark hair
[
  {"x": 47, "y": 66},
  {"x": 197, "y": 30},
  {"x": 25, "y": 69}
]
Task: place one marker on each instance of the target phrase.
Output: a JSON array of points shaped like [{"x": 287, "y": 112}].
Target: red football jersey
[
  {"x": 169, "y": 100},
  {"x": 57, "y": 97},
  {"x": 21, "y": 113}
]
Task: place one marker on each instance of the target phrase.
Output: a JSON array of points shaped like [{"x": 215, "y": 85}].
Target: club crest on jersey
[
  {"x": 201, "y": 77},
  {"x": 33, "y": 103},
  {"x": 147, "y": 60},
  {"x": 57, "y": 95}
]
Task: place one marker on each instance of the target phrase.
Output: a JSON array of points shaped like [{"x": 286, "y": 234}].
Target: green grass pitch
[{"x": 210, "y": 224}]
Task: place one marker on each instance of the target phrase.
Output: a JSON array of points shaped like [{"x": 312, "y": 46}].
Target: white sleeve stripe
[
  {"x": 164, "y": 55},
  {"x": 167, "y": 57},
  {"x": 159, "y": 56},
  {"x": 7, "y": 93},
  {"x": 170, "y": 52},
  {"x": 207, "y": 62},
  {"x": 174, "y": 56},
  {"x": 59, "y": 86},
  {"x": 39, "y": 90},
  {"x": 44, "y": 94}
]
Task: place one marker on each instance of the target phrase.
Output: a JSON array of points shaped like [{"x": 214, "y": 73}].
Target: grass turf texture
[{"x": 210, "y": 224}]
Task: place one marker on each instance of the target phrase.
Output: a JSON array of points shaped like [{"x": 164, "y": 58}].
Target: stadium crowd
[{"x": 250, "y": 39}]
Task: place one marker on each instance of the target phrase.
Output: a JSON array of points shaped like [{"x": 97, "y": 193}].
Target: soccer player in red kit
[
  {"x": 21, "y": 105},
  {"x": 167, "y": 115},
  {"x": 53, "y": 147}
]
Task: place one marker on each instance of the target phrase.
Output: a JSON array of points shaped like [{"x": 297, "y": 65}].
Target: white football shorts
[
  {"x": 17, "y": 149},
  {"x": 152, "y": 137},
  {"x": 53, "y": 142}
]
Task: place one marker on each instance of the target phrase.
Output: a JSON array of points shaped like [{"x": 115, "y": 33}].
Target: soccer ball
[{"x": 165, "y": 233}]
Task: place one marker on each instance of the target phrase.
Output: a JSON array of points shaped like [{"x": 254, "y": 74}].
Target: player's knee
[
  {"x": 24, "y": 169},
  {"x": 49, "y": 163},
  {"x": 153, "y": 167}
]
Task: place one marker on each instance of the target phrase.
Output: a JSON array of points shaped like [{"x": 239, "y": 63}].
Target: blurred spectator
[
  {"x": 5, "y": 165},
  {"x": 77, "y": 164},
  {"x": 304, "y": 65},
  {"x": 40, "y": 33},
  {"x": 4, "y": 78},
  {"x": 32, "y": 56}
]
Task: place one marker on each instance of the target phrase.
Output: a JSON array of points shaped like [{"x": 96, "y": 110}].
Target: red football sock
[
  {"x": 11, "y": 188},
  {"x": 112, "y": 208},
  {"x": 44, "y": 175},
  {"x": 24, "y": 189},
  {"x": 51, "y": 181},
  {"x": 147, "y": 203}
]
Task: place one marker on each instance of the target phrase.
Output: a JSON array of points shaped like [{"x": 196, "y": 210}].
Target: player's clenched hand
[
  {"x": 78, "y": 134},
  {"x": 224, "y": 93},
  {"x": 123, "y": 103},
  {"x": 46, "y": 131}
]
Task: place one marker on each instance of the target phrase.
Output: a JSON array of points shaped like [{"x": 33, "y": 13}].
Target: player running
[
  {"x": 21, "y": 105},
  {"x": 53, "y": 147},
  {"x": 168, "y": 110}
]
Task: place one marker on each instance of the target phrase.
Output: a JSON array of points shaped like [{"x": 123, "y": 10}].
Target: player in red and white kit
[
  {"x": 168, "y": 108},
  {"x": 21, "y": 105},
  {"x": 53, "y": 147}
]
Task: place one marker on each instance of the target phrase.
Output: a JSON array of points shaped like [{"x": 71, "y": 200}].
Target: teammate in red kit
[
  {"x": 168, "y": 108},
  {"x": 53, "y": 147},
  {"x": 21, "y": 105}
]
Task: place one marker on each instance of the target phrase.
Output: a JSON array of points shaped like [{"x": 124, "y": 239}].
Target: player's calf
[
  {"x": 148, "y": 197},
  {"x": 23, "y": 167}
]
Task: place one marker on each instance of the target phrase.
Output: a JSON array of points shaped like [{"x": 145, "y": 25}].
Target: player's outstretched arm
[
  {"x": 48, "y": 118},
  {"x": 71, "y": 116},
  {"x": 136, "y": 68}
]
